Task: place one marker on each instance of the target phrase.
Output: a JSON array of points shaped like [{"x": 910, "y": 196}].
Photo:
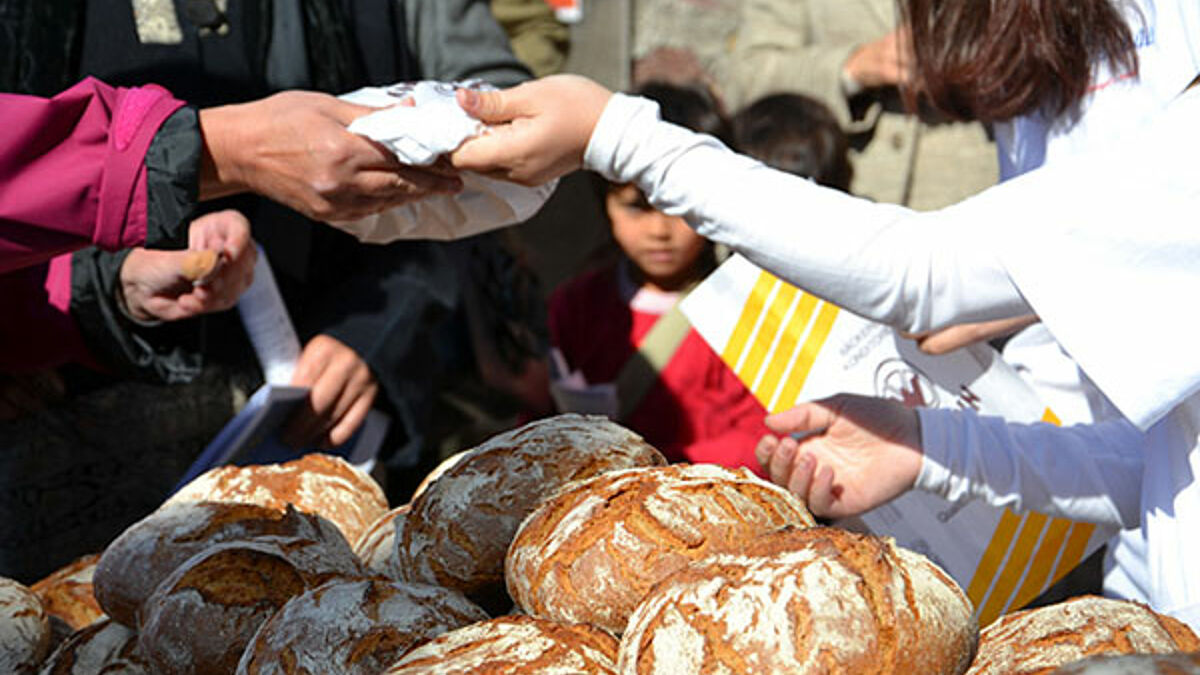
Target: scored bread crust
[
  {"x": 91, "y": 649},
  {"x": 815, "y": 600},
  {"x": 460, "y": 526},
  {"x": 514, "y": 645},
  {"x": 376, "y": 545},
  {"x": 1040, "y": 640},
  {"x": 354, "y": 627},
  {"x": 592, "y": 551},
  {"x": 317, "y": 483},
  {"x": 24, "y": 628}
]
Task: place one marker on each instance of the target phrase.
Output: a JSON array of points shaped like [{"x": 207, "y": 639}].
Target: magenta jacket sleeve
[{"x": 72, "y": 169}]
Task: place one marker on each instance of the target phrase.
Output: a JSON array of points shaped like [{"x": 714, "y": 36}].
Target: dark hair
[
  {"x": 993, "y": 60},
  {"x": 797, "y": 134},
  {"x": 693, "y": 107}
]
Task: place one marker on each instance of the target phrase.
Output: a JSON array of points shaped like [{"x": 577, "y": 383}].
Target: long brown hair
[{"x": 993, "y": 60}]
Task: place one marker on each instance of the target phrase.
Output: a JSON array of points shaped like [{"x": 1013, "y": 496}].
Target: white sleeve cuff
[
  {"x": 620, "y": 115},
  {"x": 940, "y": 438}
]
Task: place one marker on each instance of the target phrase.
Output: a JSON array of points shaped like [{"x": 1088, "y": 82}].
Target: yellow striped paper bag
[{"x": 788, "y": 346}]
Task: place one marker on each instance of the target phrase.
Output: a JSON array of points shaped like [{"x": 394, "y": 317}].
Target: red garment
[
  {"x": 72, "y": 174},
  {"x": 72, "y": 169},
  {"x": 698, "y": 411}
]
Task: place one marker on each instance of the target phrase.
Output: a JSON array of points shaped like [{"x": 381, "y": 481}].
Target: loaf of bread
[
  {"x": 1040, "y": 640},
  {"x": 797, "y": 601},
  {"x": 438, "y": 470},
  {"x": 67, "y": 594},
  {"x": 589, "y": 554},
  {"x": 460, "y": 527},
  {"x": 135, "y": 563},
  {"x": 514, "y": 645},
  {"x": 24, "y": 628},
  {"x": 316, "y": 483},
  {"x": 354, "y": 627},
  {"x": 1135, "y": 664},
  {"x": 202, "y": 616},
  {"x": 92, "y": 649},
  {"x": 375, "y": 547}
]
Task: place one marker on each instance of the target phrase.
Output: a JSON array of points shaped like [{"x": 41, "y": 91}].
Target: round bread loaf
[
  {"x": 90, "y": 650},
  {"x": 438, "y": 470},
  {"x": 202, "y": 616},
  {"x": 316, "y": 483},
  {"x": 514, "y": 645},
  {"x": 148, "y": 551},
  {"x": 589, "y": 554},
  {"x": 460, "y": 527},
  {"x": 68, "y": 596},
  {"x": 375, "y": 547},
  {"x": 354, "y": 627},
  {"x": 797, "y": 601},
  {"x": 1040, "y": 640},
  {"x": 24, "y": 628},
  {"x": 1135, "y": 664}
]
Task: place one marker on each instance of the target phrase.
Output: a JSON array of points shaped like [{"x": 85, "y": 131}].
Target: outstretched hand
[
  {"x": 343, "y": 389},
  {"x": 854, "y": 453},
  {"x": 294, "y": 148},
  {"x": 172, "y": 285},
  {"x": 538, "y": 130}
]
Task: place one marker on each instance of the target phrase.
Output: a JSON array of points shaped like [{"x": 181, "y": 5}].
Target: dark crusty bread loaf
[
  {"x": 1040, "y": 640},
  {"x": 202, "y": 616},
  {"x": 68, "y": 596},
  {"x": 358, "y": 627},
  {"x": 135, "y": 563},
  {"x": 460, "y": 527},
  {"x": 91, "y": 649},
  {"x": 514, "y": 645},
  {"x": 316, "y": 483},
  {"x": 376, "y": 546},
  {"x": 24, "y": 628},
  {"x": 1135, "y": 664},
  {"x": 591, "y": 552},
  {"x": 797, "y": 601}
]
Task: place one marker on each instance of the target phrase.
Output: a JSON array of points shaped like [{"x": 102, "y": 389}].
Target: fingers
[
  {"x": 343, "y": 389},
  {"x": 820, "y": 495},
  {"x": 803, "y": 418},
  {"x": 492, "y": 107}
]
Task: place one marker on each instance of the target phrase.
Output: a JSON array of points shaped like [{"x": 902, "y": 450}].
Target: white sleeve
[
  {"x": 1090, "y": 473},
  {"x": 913, "y": 271}
]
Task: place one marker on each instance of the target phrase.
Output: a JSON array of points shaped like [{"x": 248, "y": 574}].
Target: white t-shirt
[
  {"x": 1103, "y": 247},
  {"x": 1117, "y": 103}
]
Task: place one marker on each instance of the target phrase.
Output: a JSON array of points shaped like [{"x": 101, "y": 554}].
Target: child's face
[{"x": 662, "y": 247}]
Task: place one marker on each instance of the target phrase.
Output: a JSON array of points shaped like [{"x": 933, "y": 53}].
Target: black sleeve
[{"x": 172, "y": 179}]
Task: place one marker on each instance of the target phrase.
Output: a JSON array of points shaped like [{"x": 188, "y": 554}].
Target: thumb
[
  {"x": 345, "y": 112},
  {"x": 805, "y": 417},
  {"x": 491, "y": 107}
]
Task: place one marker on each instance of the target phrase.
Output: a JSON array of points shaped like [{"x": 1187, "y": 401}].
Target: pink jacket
[{"x": 72, "y": 174}]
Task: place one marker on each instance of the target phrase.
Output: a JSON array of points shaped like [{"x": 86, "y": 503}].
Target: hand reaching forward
[
  {"x": 294, "y": 148},
  {"x": 539, "y": 129},
  {"x": 167, "y": 285},
  {"x": 343, "y": 390},
  {"x": 861, "y": 453}
]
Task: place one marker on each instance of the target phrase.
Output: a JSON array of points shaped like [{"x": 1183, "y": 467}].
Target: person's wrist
[{"x": 222, "y": 167}]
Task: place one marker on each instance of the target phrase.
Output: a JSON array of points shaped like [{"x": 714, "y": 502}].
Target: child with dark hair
[
  {"x": 797, "y": 134},
  {"x": 619, "y": 326}
]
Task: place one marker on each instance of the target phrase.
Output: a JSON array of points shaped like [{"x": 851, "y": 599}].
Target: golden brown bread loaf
[
  {"x": 589, "y": 554},
  {"x": 90, "y": 650},
  {"x": 202, "y": 616},
  {"x": 354, "y": 627},
  {"x": 375, "y": 547},
  {"x": 798, "y": 601},
  {"x": 24, "y": 628},
  {"x": 460, "y": 527},
  {"x": 1135, "y": 664},
  {"x": 67, "y": 593},
  {"x": 514, "y": 645},
  {"x": 1040, "y": 640},
  {"x": 135, "y": 563},
  {"x": 316, "y": 483}
]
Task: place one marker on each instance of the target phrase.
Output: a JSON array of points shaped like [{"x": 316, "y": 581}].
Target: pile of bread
[{"x": 564, "y": 546}]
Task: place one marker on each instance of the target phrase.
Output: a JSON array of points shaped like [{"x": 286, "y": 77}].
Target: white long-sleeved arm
[
  {"x": 914, "y": 271},
  {"x": 1090, "y": 473}
]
